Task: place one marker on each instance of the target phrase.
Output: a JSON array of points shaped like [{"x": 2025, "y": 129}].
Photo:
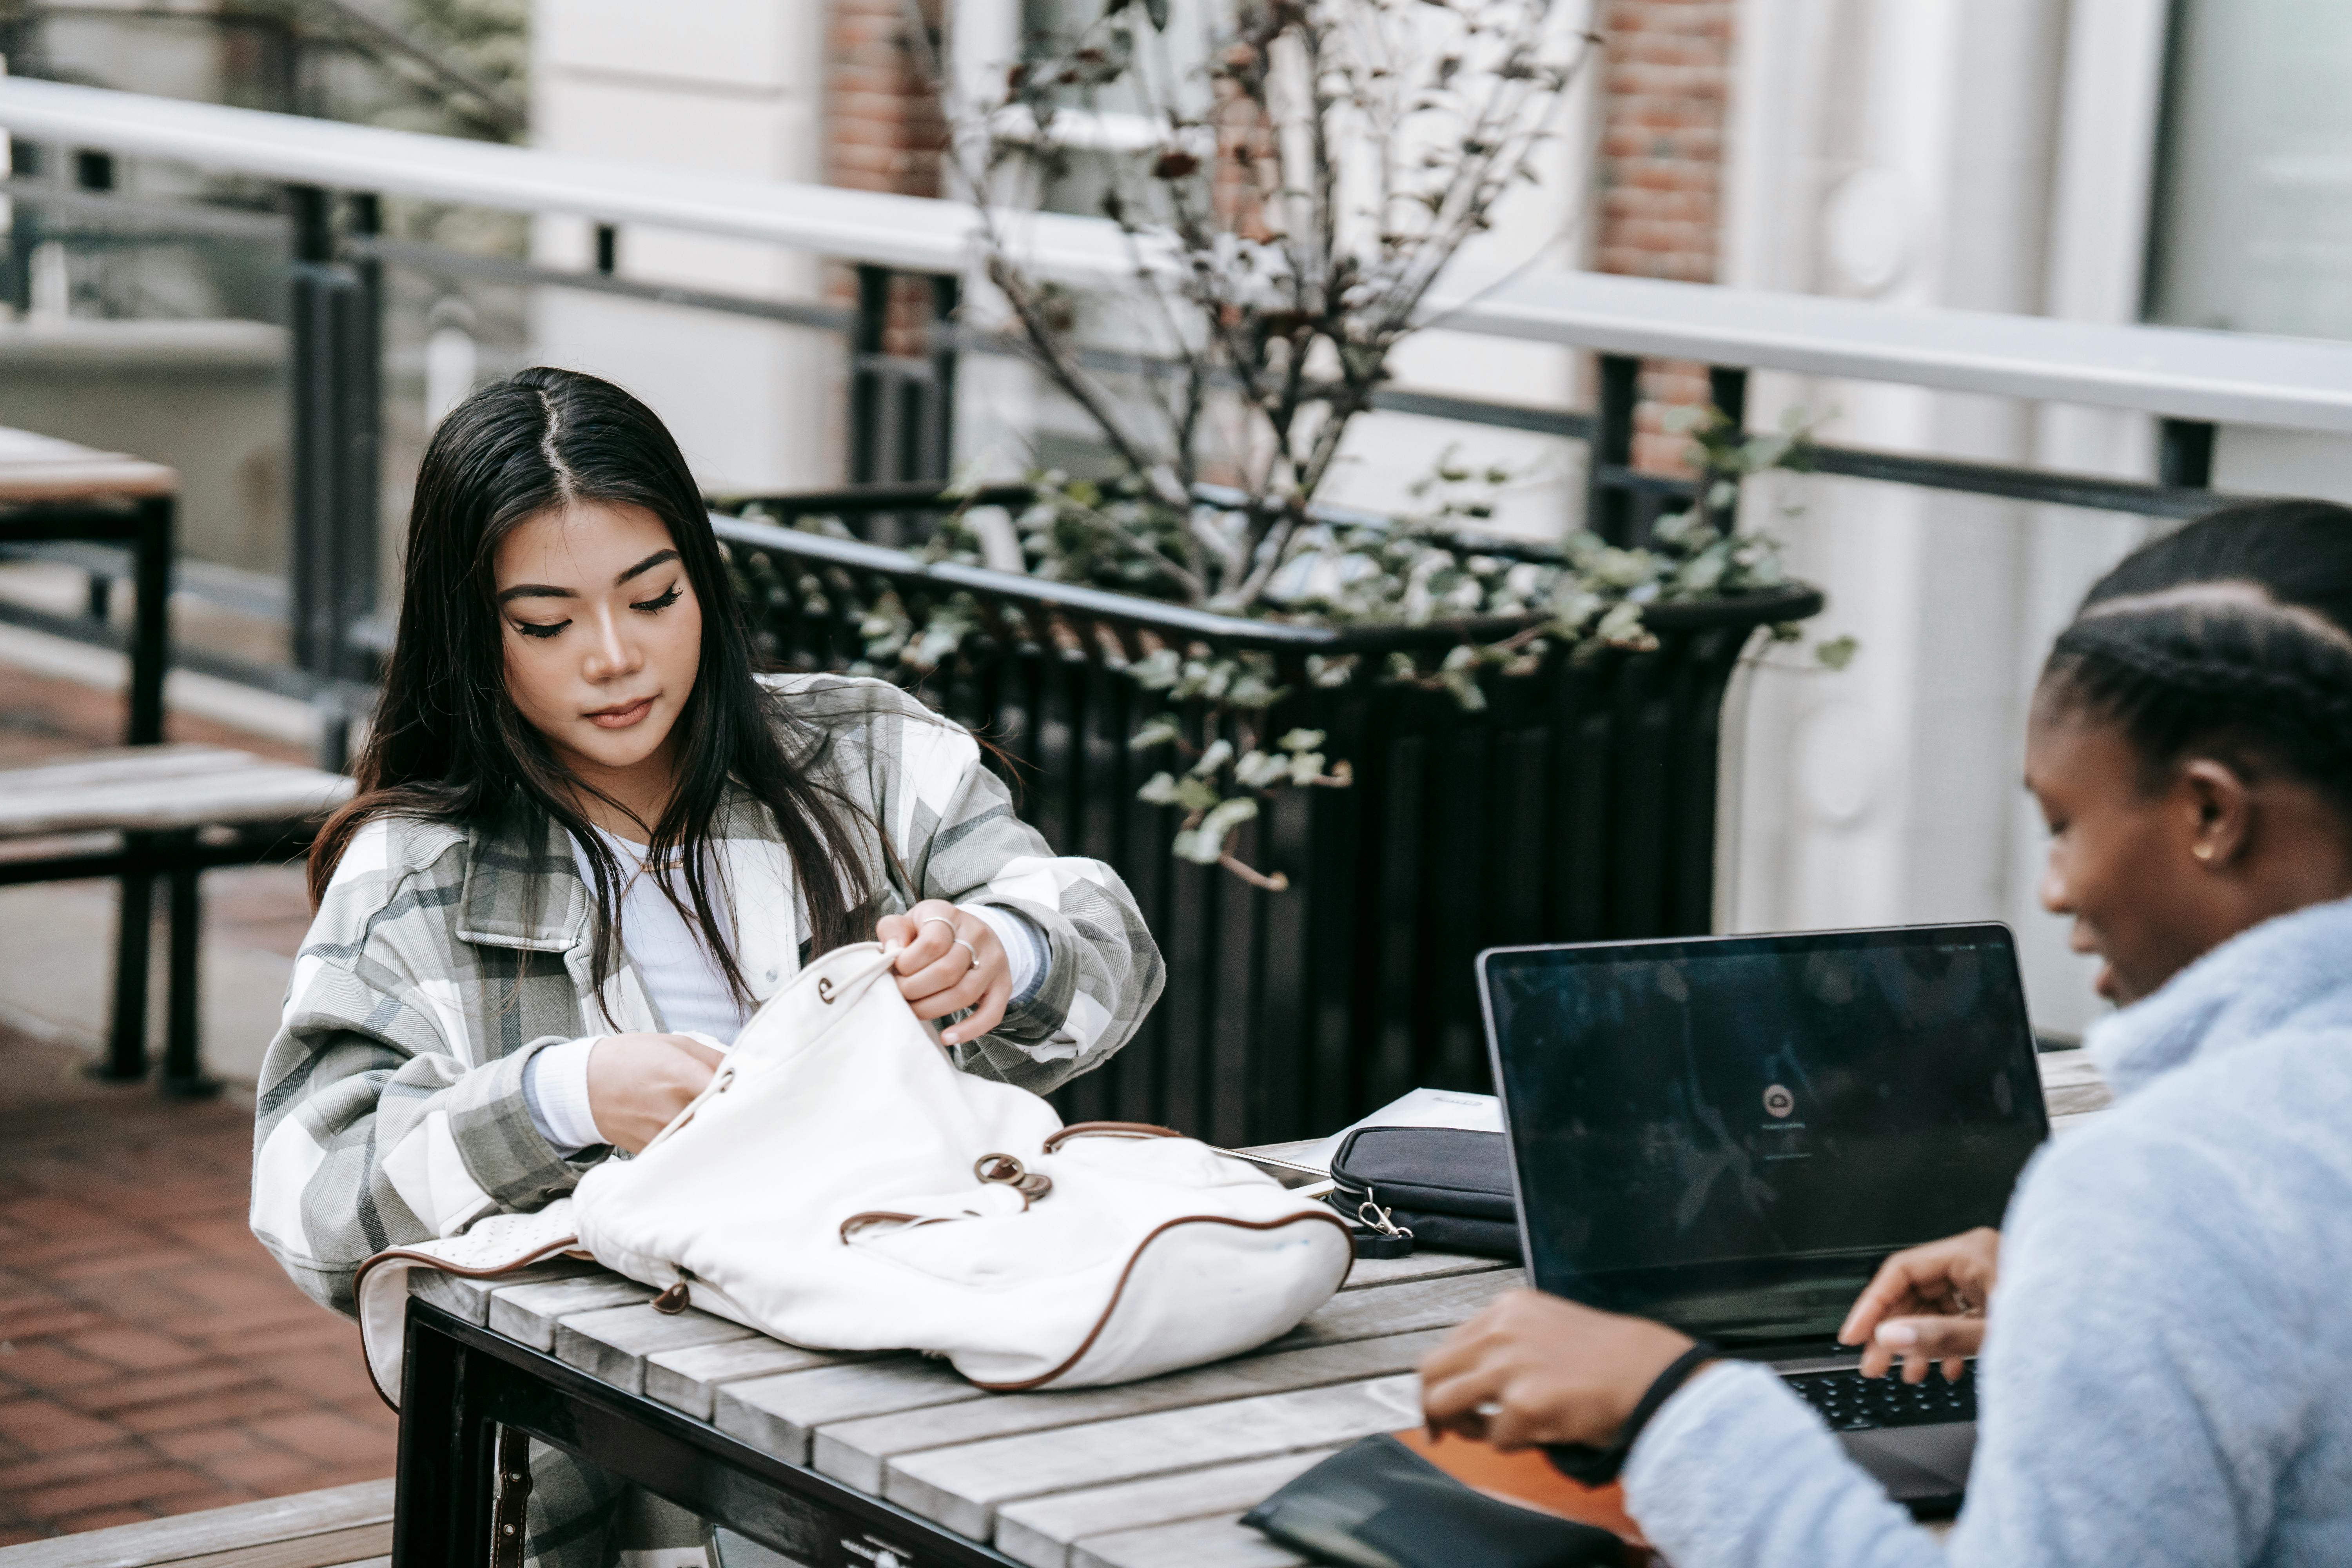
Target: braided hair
[{"x": 2231, "y": 638}]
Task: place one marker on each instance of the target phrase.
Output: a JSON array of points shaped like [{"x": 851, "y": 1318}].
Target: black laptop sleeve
[
  {"x": 1378, "y": 1504},
  {"x": 1450, "y": 1188}
]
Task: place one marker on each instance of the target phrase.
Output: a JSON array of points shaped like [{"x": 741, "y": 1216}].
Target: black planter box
[{"x": 1580, "y": 804}]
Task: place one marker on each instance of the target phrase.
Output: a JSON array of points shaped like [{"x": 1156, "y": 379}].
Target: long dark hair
[
  {"x": 2231, "y": 638},
  {"x": 448, "y": 741}
]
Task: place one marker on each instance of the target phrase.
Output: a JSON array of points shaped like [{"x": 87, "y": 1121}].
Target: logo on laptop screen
[{"x": 1778, "y": 1101}]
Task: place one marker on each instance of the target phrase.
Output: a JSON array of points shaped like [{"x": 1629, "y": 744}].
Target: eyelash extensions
[{"x": 649, "y": 607}]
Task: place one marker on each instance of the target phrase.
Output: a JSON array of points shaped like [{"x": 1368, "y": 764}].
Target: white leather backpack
[{"x": 840, "y": 1184}]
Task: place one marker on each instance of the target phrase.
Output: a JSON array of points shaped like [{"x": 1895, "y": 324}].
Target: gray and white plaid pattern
[{"x": 391, "y": 1105}]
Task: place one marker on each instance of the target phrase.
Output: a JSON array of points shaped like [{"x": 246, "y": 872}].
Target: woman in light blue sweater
[{"x": 2166, "y": 1366}]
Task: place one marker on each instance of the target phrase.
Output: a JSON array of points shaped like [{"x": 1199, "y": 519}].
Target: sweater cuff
[
  {"x": 1735, "y": 1468},
  {"x": 1027, "y": 956},
  {"x": 555, "y": 1088},
  {"x": 504, "y": 1151}
]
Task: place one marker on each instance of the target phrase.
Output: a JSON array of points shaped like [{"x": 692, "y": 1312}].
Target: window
[{"x": 2254, "y": 219}]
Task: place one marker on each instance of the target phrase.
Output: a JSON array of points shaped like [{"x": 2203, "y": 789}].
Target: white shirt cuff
[
  {"x": 1027, "y": 952},
  {"x": 555, "y": 1088}
]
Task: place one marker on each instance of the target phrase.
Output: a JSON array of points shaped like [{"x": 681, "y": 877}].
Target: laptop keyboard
[{"x": 1850, "y": 1402}]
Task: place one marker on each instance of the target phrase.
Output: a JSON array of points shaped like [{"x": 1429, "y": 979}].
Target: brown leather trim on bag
[
  {"x": 875, "y": 1216},
  {"x": 568, "y": 1247},
  {"x": 1108, "y": 1129},
  {"x": 1163, "y": 1229}
]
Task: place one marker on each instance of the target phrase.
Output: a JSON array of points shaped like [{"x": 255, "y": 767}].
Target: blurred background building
[{"x": 2186, "y": 162}]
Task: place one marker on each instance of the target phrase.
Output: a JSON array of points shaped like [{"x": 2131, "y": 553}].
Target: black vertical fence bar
[
  {"x": 359, "y": 351},
  {"x": 937, "y": 445},
  {"x": 1610, "y": 502},
  {"x": 337, "y": 313},
  {"x": 313, "y": 282},
  {"x": 1726, "y": 388},
  {"x": 865, "y": 382},
  {"x": 23, "y": 230},
  {"x": 2184, "y": 458}
]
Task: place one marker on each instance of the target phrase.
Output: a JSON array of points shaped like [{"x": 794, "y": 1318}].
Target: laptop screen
[{"x": 1729, "y": 1134}]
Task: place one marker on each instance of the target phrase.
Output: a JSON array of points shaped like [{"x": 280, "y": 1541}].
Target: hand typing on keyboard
[{"x": 1926, "y": 1305}]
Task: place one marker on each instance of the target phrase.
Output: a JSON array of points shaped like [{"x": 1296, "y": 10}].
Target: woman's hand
[
  {"x": 1534, "y": 1369},
  {"x": 951, "y": 960},
  {"x": 1926, "y": 1304},
  {"x": 638, "y": 1083}
]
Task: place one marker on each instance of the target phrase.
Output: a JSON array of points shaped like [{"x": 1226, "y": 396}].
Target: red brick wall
[
  {"x": 883, "y": 132},
  {"x": 883, "y": 129},
  {"x": 1667, "y": 77}
]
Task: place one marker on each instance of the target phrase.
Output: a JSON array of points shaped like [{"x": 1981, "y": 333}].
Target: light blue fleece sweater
[{"x": 2166, "y": 1375}]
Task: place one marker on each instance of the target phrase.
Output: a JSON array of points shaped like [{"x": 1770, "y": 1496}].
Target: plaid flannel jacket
[{"x": 391, "y": 1105}]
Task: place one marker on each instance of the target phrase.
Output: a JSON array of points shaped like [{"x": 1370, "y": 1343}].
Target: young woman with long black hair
[
  {"x": 2166, "y": 1375},
  {"x": 588, "y": 838}
]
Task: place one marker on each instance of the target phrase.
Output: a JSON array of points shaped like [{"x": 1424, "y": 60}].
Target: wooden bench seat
[
  {"x": 342, "y": 1526},
  {"x": 158, "y": 788},
  {"x": 170, "y": 811}
]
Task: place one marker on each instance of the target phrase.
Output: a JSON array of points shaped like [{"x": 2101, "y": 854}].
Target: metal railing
[{"x": 901, "y": 405}]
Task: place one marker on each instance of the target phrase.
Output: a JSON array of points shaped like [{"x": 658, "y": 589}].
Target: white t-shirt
[{"x": 688, "y": 988}]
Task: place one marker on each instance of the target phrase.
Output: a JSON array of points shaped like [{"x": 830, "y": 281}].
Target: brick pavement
[{"x": 154, "y": 1360}]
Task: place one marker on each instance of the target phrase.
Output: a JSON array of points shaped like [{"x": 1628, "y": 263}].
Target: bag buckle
[{"x": 1007, "y": 1170}]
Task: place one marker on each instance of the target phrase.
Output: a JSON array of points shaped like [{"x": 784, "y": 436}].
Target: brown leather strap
[
  {"x": 510, "y": 1509},
  {"x": 1108, "y": 1129}
]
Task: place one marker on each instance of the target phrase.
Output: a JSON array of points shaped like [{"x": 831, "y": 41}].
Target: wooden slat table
[
  {"x": 895, "y": 1452},
  {"x": 53, "y": 490}
]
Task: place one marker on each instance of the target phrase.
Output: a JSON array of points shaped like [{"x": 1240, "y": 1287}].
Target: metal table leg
[
  {"x": 184, "y": 1074},
  {"x": 126, "y": 1047},
  {"x": 151, "y": 625}
]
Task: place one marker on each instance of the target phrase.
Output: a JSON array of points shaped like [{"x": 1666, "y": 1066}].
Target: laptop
[{"x": 1729, "y": 1135}]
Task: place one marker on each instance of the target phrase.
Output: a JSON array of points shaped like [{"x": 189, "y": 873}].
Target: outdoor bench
[{"x": 136, "y": 813}]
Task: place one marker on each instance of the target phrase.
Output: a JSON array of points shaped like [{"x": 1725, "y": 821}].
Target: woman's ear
[{"x": 2220, "y": 807}]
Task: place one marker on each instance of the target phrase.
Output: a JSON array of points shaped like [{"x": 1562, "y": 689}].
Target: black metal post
[
  {"x": 1609, "y": 500},
  {"x": 336, "y": 352},
  {"x": 866, "y": 337},
  {"x": 150, "y": 621},
  {"x": 126, "y": 1044},
  {"x": 1726, "y": 387},
  {"x": 184, "y": 1073},
  {"x": 937, "y": 442},
  {"x": 23, "y": 224},
  {"x": 2184, "y": 458},
  {"x": 361, "y": 351}
]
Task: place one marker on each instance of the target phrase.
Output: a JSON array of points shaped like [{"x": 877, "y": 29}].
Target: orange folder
[{"x": 1526, "y": 1478}]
